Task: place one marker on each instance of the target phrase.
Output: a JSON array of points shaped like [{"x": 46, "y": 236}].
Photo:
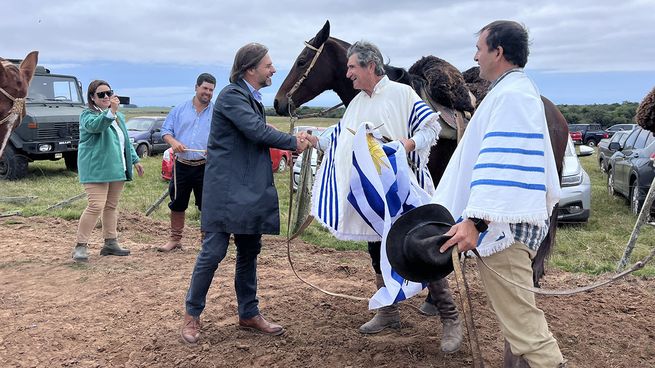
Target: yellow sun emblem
[{"x": 377, "y": 153}]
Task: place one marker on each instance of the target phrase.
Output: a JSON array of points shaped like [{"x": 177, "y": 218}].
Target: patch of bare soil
[{"x": 127, "y": 311}]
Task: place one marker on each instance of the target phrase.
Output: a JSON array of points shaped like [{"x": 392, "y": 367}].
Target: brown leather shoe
[
  {"x": 190, "y": 329},
  {"x": 258, "y": 323}
]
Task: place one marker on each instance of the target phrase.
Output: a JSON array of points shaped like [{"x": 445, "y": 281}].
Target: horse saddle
[{"x": 453, "y": 122}]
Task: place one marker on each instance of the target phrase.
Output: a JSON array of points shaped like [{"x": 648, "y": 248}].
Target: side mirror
[
  {"x": 614, "y": 146},
  {"x": 585, "y": 151}
]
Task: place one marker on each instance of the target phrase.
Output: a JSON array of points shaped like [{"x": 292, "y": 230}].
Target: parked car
[
  {"x": 280, "y": 159},
  {"x": 145, "y": 135},
  {"x": 301, "y": 128},
  {"x": 167, "y": 164},
  {"x": 604, "y": 152},
  {"x": 591, "y": 133},
  {"x": 575, "y": 199},
  {"x": 619, "y": 128},
  {"x": 576, "y": 136},
  {"x": 630, "y": 169},
  {"x": 322, "y": 132}
]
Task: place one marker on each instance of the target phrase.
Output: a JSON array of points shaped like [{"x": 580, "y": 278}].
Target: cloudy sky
[{"x": 582, "y": 51}]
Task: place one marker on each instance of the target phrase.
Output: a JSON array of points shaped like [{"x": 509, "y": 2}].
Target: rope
[{"x": 17, "y": 107}]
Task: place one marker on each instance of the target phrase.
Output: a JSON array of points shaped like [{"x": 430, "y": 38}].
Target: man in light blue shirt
[{"x": 186, "y": 130}]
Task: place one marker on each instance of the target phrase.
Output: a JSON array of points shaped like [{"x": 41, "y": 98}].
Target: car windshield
[
  {"x": 140, "y": 125},
  {"x": 51, "y": 88}
]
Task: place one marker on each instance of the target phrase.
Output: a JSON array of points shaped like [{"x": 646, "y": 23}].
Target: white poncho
[
  {"x": 398, "y": 112},
  {"x": 503, "y": 170}
]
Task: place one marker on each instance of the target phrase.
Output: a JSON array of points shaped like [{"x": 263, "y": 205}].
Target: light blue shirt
[
  {"x": 255, "y": 93},
  {"x": 189, "y": 127}
]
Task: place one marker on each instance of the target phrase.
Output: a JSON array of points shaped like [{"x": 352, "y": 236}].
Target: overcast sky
[{"x": 582, "y": 51}]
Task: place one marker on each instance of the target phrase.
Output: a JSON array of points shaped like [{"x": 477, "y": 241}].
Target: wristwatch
[{"x": 479, "y": 224}]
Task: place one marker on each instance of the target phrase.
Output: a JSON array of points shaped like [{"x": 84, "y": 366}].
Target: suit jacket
[{"x": 239, "y": 194}]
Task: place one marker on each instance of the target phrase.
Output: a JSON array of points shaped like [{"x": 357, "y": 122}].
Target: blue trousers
[{"x": 213, "y": 251}]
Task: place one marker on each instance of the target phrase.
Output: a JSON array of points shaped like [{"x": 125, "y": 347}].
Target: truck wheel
[
  {"x": 13, "y": 166},
  {"x": 70, "y": 158},
  {"x": 591, "y": 143},
  {"x": 142, "y": 151}
]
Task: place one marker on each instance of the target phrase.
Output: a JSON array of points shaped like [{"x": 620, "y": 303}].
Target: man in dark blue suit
[{"x": 239, "y": 195}]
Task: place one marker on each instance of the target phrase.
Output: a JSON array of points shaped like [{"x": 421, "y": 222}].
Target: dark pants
[
  {"x": 189, "y": 178},
  {"x": 213, "y": 251}
]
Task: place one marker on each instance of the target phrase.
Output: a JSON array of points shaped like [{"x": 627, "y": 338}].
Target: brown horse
[
  {"x": 14, "y": 82},
  {"x": 321, "y": 66}
]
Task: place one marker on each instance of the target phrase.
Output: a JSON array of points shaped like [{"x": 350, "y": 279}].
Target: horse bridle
[
  {"x": 305, "y": 74},
  {"x": 17, "y": 107}
]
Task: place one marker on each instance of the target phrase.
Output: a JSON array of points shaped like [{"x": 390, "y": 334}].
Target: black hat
[{"x": 414, "y": 240}]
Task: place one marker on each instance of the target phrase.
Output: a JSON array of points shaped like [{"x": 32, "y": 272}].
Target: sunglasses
[{"x": 105, "y": 93}]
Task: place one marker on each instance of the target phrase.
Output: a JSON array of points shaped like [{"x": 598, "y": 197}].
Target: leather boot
[
  {"x": 428, "y": 308},
  {"x": 385, "y": 317},
  {"x": 190, "y": 331},
  {"x": 80, "y": 253},
  {"x": 514, "y": 361},
  {"x": 452, "y": 336},
  {"x": 177, "y": 226},
  {"x": 111, "y": 248}
]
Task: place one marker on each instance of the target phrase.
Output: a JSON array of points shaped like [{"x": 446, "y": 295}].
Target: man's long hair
[{"x": 247, "y": 58}]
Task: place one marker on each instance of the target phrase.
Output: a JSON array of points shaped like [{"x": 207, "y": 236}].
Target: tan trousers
[
  {"x": 103, "y": 200},
  {"x": 522, "y": 324}
]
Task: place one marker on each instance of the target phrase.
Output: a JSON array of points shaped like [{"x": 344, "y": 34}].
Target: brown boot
[
  {"x": 513, "y": 361},
  {"x": 452, "y": 336},
  {"x": 190, "y": 331},
  {"x": 177, "y": 226},
  {"x": 259, "y": 324},
  {"x": 385, "y": 317}
]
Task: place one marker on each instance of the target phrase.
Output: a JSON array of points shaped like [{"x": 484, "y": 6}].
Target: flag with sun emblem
[{"x": 381, "y": 191}]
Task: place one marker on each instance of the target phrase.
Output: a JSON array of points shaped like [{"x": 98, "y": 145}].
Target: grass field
[{"x": 592, "y": 248}]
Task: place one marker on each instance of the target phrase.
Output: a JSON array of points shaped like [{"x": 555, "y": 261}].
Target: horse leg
[{"x": 440, "y": 155}]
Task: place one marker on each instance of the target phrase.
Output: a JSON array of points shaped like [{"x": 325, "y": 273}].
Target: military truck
[{"x": 50, "y": 128}]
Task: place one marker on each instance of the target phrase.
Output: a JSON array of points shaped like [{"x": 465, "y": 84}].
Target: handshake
[{"x": 304, "y": 141}]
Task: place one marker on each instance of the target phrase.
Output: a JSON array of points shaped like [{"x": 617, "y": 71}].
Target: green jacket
[{"x": 98, "y": 154}]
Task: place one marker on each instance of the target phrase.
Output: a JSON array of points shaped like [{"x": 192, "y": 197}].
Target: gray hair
[
  {"x": 367, "y": 53},
  {"x": 247, "y": 57}
]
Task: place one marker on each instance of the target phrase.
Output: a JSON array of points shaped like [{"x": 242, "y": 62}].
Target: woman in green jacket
[{"x": 104, "y": 159}]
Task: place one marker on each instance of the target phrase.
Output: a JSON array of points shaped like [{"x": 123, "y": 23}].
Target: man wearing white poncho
[
  {"x": 399, "y": 114},
  {"x": 502, "y": 183}
]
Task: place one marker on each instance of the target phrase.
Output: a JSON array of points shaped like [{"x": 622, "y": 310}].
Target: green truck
[{"x": 50, "y": 128}]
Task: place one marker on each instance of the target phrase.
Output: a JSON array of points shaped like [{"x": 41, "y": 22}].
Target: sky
[{"x": 581, "y": 52}]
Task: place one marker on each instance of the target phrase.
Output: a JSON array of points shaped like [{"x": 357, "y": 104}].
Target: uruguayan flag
[{"x": 381, "y": 191}]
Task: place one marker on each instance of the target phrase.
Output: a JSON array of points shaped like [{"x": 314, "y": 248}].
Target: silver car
[{"x": 575, "y": 200}]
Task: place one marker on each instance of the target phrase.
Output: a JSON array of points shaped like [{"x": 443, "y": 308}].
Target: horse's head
[
  {"x": 14, "y": 83},
  {"x": 320, "y": 66}
]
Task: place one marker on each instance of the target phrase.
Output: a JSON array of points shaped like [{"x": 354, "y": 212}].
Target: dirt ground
[{"x": 126, "y": 311}]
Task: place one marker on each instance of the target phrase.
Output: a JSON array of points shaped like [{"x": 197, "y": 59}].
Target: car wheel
[
  {"x": 610, "y": 182},
  {"x": 282, "y": 165},
  {"x": 601, "y": 164},
  {"x": 70, "y": 159},
  {"x": 591, "y": 143},
  {"x": 142, "y": 151},
  {"x": 13, "y": 166},
  {"x": 635, "y": 202}
]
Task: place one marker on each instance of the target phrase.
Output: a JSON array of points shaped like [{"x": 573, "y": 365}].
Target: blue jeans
[{"x": 213, "y": 251}]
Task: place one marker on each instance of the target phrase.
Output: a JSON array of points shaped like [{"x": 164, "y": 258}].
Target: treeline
[
  {"x": 304, "y": 110},
  {"x": 606, "y": 115}
]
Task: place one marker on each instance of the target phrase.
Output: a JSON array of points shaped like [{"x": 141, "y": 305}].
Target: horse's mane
[
  {"x": 475, "y": 84},
  {"x": 444, "y": 82},
  {"x": 646, "y": 112}
]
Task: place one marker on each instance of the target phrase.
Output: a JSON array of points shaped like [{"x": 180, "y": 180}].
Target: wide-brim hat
[{"x": 414, "y": 240}]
